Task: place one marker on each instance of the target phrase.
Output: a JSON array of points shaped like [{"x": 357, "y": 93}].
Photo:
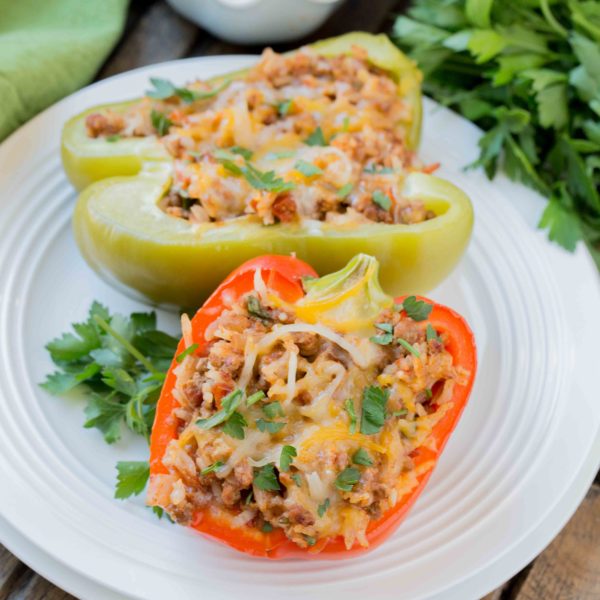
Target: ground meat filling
[
  {"x": 270, "y": 431},
  {"x": 299, "y": 137}
]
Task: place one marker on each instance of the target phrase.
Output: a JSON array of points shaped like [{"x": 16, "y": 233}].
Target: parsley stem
[
  {"x": 551, "y": 19},
  {"x": 126, "y": 344}
]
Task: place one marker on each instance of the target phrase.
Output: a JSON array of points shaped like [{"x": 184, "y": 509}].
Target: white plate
[{"x": 531, "y": 427}]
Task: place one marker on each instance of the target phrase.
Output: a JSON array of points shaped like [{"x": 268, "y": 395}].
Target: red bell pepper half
[{"x": 283, "y": 275}]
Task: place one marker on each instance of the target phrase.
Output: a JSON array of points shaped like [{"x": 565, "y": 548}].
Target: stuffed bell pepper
[
  {"x": 302, "y": 417},
  {"x": 311, "y": 152}
]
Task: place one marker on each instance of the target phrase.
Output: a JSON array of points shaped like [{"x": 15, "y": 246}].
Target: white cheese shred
[{"x": 186, "y": 330}]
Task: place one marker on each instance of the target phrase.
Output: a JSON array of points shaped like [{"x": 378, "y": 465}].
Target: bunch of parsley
[
  {"x": 121, "y": 362},
  {"x": 528, "y": 73}
]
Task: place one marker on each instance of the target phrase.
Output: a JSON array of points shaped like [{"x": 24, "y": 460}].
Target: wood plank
[
  {"x": 11, "y": 568},
  {"x": 159, "y": 35},
  {"x": 31, "y": 586},
  {"x": 569, "y": 569}
]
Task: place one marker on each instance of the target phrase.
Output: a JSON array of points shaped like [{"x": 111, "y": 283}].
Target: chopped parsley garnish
[
  {"x": 408, "y": 347},
  {"x": 288, "y": 453},
  {"x": 349, "y": 406},
  {"x": 228, "y": 405},
  {"x": 375, "y": 170},
  {"x": 297, "y": 479},
  {"x": 385, "y": 338},
  {"x": 266, "y": 479},
  {"x": 254, "y": 398},
  {"x": 160, "y": 122},
  {"x": 266, "y": 527},
  {"x": 361, "y": 457},
  {"x": 432, "y": 334},
  {"x": 234, "y": 426},
  {"x": 189, "y": 350},
  {"x": 243, "y": 152},
  {"x": 266, "y": 180},
  {"x": 345, "y": 190},
  {"x": 346, "y": 124},
  {"x": 132, "y": 477},
  {"x": 417, "y": 310},
  {"x": 164, "y": 89},
  {"x": 347, "y": 479},
  {"x": 249, "y": 498},
  {"x": 373, "y": 409},
  {"x": 323, "y": 507},
  {"x": 307, "y": 169},
  {"x": 400, "y": 413},
  {"x": 280, "y": 154},
  {"x": 428, "y": 393},
  {"x": 273, "y": 409},
  {"x": 270, "y": 426},
  {"x": 316, "y": 138},
  {"x": 382, "y": 200},
  {"x": 214, "y": 467},
  {"x": 310, "y": 540},
  {"x": 256, "y": 309},
  {"x": 115, "y": 137},
  {"x": 283, "y": 108}
]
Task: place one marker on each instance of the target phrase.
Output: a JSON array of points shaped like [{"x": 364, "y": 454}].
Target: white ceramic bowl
[{"x": 257, "y": 21}]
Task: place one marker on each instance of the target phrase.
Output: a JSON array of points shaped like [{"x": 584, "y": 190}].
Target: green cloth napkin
[{"x": 50, "y": 48}]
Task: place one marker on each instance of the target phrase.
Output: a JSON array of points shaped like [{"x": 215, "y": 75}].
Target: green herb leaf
[
  {"x": 228, "y": 405},
  {"x": 385, "y": 327},
  {"x": 283, "y": 108},
  {"x": 243, "y": 152},
  {"x": 273, "y": 410},
  {"x": 378, "y": 170},
  {"x": 382, "y": 339},
  {"x": 310, "y": 540},
  {"x": 400, "y": 413},
  {"x": 266, "y": 479},
  {"x": 345, "y": 190},
  {"x": 189, "y": 350},
  {"x": 234, "y": 426},
  {"x": 417, "y": 310},
  {"x": 349, "y": 406},
  {"x": 361, "y": 457},
  {"x": 347, "y": 479},
  {"x": 131, "y": 478},
  {"x": 160, "y": 122},
  {"x": 214, "y": 467},
  {"x": 280, "y": 154},
  {"x": 431, "y": 333},
  {"x": 374, "y": 401},
  {"x": 115, "y": 137},
  {"x": 256, "y": 309},
  {"x": 382, "y": 200},
  {"x": 270, "y": 426},
  {"x": 163, "y": 89},
  {"x": 409, "y": 347},
  {"x": 288, "y": 453},
  {"x": 428, "y": 393},
  {"x": 307, "y": 169},
  {"x": 297, "y": 479},
  {"x": 323, "y": 508},
  {"x": 266, "y": 527},
  {"x": 254, "y": 398},
  {"x": 316, "y": 138}
]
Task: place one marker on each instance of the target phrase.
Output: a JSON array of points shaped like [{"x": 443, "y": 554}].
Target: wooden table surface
[{"x": 569, "y": 569}]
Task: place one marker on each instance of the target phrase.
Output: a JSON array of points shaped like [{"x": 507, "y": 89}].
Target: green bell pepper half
[
  {"x": 131, "y": 242},
  {"x": 87, "y": 159}
]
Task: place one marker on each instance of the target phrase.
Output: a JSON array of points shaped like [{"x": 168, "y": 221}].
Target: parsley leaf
[
  {"x": 283, "y": 108},
  {"x": 361, "y": 457},
  {"x": 349, "y": 406},
  {"x": 234, "y": 426},
  {"x": 164, "y": 89},
  {"x": 280, "y": 154},
  {"x": 243, "y": 152},
  {"x": 382, "y": 200},
  {"x": 115, "y": 137},
  {"x": 310, "y": 540},
  {"x": 409, "y": 347},
  {"x": 270, "y": 426},
  {"x": 345, "y": 190},
  {"x": 347, "y": 479},
  {"x": 297, "y": 479},
  {"x": 265, "y": 180},
  {"x": 256, "y": 309},
  {"x": 288, "y": 453},
  {"x": 254, "y": 398},
  {"x": 323, "y": 507},
  {"x": 228, "y": 405},
  {"x": 373, "y": 409},
  {"x": 273, "y": 410},
  {"x": 214, "y": 467},
  {"x": 375, "y": 170},
  {"x": 431, "y": 333},
  {"x": 132, "y": 477},
  {"x": 417, "y": 310},
  {"x": 266, "y": 527},
  {"x": 266, "y": 479},
  {"x": 189, "y": 350},
  {"x": 382, "y": 339},
  {"x": 160, "y": 122},
  {"x": 307, "y": 169},
  {"x": 316, "y": 138}
]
